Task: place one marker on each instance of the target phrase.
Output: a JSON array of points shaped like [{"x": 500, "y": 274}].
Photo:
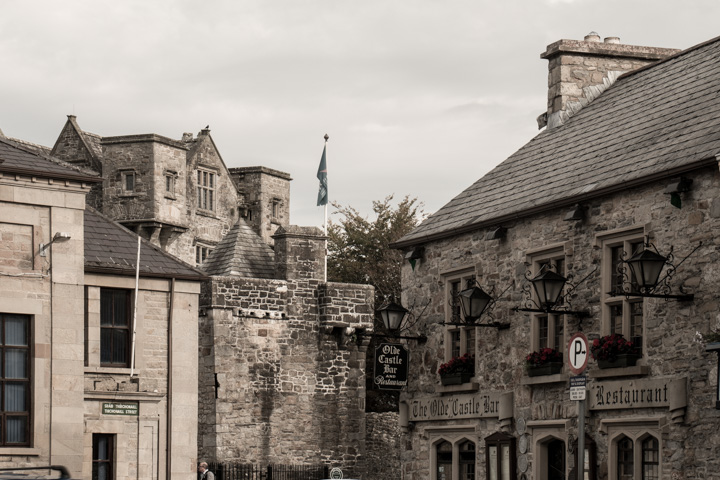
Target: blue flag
[{"x": 322, "y": 176}]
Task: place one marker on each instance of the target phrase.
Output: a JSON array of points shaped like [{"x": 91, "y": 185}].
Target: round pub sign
[{"x": 336, "y": 473}]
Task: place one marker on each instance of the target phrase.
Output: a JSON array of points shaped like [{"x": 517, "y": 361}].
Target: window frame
[
  {"x": 459, "y": 340},
  {"x": 201, "y": 247},
  {"x": 536, "y": 259},
  {"x": 171, "y": 182},
  {"x": 610, "y": 299},
  {"x": 113, "y": 328},
  {"x": 637, "y": 435},
  {"x": 124, "y": 176},
  {"x": 110, "y": 461},
  {"x": 456, "y": 442},
  {"x": 27, "y": 380},
  {"x": 206, "y": 187}
]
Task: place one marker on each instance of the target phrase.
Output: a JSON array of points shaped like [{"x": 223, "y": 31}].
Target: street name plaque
[{"x": 120, "y": 408}]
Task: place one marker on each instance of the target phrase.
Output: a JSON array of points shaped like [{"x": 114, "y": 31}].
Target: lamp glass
[
  {"x": 393, "y": 315},
  {"x": 646, "y": 267},
  {"x": 473, "y": 301},
  {"x": 548, "y": 286}
]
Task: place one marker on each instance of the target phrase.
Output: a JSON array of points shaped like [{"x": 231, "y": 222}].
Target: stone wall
[
  {"x": 277, "y": 384},
  {"x": 383, "y": 443},
  {"x": 670, "y": 349}
]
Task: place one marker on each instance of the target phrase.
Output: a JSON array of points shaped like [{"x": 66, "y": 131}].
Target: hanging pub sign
[{"x": 391, "y": 366}]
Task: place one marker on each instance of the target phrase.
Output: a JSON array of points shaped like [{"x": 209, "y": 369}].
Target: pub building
[{"x": 606, "y": 223}]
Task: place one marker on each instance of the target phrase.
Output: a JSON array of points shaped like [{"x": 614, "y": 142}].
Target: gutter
[{"x": 704, "y": 163}]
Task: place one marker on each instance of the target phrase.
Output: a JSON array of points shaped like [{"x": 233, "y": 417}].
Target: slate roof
[
  {"x": 111, "y": 248},
  {"x": 653, "y": 123},
  {"x": 16, "y": 157},
  {"x": 241, "y": 252}
]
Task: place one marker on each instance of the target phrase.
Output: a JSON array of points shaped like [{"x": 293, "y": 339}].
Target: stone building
[
  {"x": 178, "y": 194},
  {"x": 631, "y": 167},
  {"x": 80, "y": 388},
  {"x": 277, "y": 356}
]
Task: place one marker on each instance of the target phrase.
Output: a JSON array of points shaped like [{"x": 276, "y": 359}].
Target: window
[
  {"x": 276, "y": 209},
  {"x": 458, "y": 340},
  {"x": 500, "y": 457},
  {"x": 115, "y": 312},
  {"x": 15, "y": 397},
  {"x": 444, "y": 461},
  {"x": 202, "y": 251},
  {"x": 128, "y": 181},
  {"x": 620, "y": 314},
  {"x": 548, "y": 329},
  {"x": 635, "y": 457},
  {"x": 170, "y": 184},
  {"x": 454, "y": 460},
  {"x": 103, "y": 450},
  {"x": 589, "y": 459},
  {"x": 206, "y": 190}
]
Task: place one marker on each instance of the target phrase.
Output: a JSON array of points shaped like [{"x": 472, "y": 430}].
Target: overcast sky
[{"x": 419, "y": 97}]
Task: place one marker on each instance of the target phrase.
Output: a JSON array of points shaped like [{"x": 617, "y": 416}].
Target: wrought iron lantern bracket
[
  {"x": 656, "y": 287},
  {"x": 561, "y": 304},
  {"x": 471, "y": 311}
]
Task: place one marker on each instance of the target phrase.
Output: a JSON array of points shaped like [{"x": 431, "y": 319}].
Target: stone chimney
[
  {"x": 299, "y": 253},
  {"x": 580, "y": 70}
]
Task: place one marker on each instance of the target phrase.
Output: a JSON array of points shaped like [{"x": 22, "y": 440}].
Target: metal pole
[{"x": 581, "y": 440}]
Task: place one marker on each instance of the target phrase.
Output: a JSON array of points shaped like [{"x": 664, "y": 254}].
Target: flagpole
[{"x": 326, "y": 215}]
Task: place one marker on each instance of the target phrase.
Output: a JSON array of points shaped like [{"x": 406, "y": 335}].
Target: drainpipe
[{"x": 168, "y": 440}]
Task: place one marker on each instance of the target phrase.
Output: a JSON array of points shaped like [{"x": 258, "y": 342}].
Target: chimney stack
[{"x": 580, "y": 70}]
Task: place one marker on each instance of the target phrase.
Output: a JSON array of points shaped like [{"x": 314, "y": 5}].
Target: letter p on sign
[{"x": 578, "y": 352}]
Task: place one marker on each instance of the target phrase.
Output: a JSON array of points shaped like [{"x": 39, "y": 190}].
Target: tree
[{"x": 359, "y": 252}]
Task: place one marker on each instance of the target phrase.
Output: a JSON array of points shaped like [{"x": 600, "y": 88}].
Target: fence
[{"x": 243, "y": 471}]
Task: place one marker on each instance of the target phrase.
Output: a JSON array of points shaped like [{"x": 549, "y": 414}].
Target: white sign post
[{"x": 578, "y": 350}]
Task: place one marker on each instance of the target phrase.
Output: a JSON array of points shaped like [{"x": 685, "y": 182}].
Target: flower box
[
  {"x": 457, "y": 378},
  {"x": 621, "y": 360},
  {"x": 546, "y": 369}
]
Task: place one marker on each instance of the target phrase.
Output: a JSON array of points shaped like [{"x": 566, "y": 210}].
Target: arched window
[
  {"x": 556, "y": 460},
  {"x": 444, "y": 461},
  {"x": 650, "y": 459},
  {"x": 467, "y": 460},
  {"x": 590, "y": 459},
  {"x": 625, "y": 464}
]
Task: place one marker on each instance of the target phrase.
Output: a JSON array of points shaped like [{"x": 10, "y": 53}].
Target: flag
[{"x": 322, "y": 176}]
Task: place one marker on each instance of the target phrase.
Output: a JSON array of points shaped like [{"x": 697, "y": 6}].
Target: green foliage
[{"x": 358, "y": 248}]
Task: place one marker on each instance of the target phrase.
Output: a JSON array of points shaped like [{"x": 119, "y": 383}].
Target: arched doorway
[{"x": 556, "y": 460}]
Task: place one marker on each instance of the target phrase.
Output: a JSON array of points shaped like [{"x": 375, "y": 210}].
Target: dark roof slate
[
  {"x": 112, "y": 248},
  {"x": 18, "y": 157},
  {"x": 657, "y": 121},
  {"x": 241, "y": 252}
]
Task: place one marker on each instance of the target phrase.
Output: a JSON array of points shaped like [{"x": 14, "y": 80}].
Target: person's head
[{"x": 202, "y": 468}]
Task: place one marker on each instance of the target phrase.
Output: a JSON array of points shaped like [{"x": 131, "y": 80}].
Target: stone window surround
[
  {"x": 543, "y": 432},
  {"x": 201, "y": 245},
  {"x": 605, "y": 241},
  {"x": 213, "y": 175},
  {"x": 170, "y": 176},
  {"x": 637, "y": 430},
  {"x": 455, "y": 435},
  {"x": 30, "y": 366},
  {"x": 535, "y": 258},
  {"x": 124, "y": 174},
  {"x": 449, "y": 276}
]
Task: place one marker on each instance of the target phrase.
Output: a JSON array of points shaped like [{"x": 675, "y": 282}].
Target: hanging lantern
[
  {"x": 393, "y": 315},
  {"x": 474, "y": 301},
  {"x": 645, "y": 268},
  {"x": 548, "y": 287}
]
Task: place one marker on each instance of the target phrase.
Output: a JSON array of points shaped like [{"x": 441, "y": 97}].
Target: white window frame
[
  {"x": 619, "y": 239},
  {"x": 200, "y": 250},
  {"x": 171, "y": 180}
]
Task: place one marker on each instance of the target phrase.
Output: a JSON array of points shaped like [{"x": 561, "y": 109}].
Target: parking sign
[{"x": 578, "y": 353}]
